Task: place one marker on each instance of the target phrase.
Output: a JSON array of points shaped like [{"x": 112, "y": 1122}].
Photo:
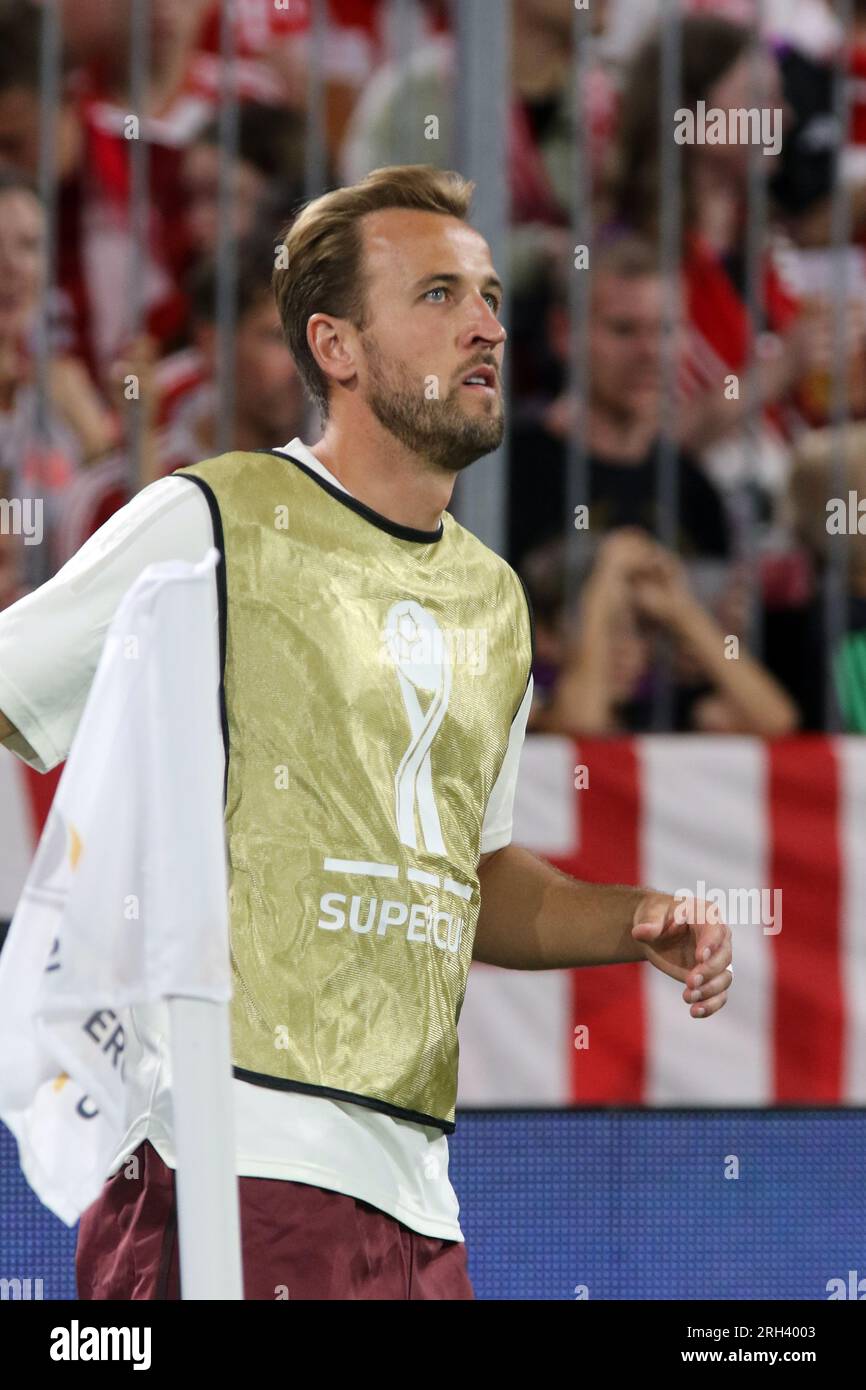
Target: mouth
[{"x": 481, "y": 379}]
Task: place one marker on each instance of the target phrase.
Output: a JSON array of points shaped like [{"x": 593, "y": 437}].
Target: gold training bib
[{"x": 371, "y": 675}]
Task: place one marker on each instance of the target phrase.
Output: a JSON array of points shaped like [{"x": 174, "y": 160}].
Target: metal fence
[{"x": 480, "y": 150}]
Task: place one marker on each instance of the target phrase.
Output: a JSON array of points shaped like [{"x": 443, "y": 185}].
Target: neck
[
  {"x": 610, "y": 434},
  {"x": 385, "y": 475},
  {"x": 620, "y": 436}
]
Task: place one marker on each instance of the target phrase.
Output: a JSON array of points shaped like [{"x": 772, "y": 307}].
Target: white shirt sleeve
[
  {"x": 497, "y": 826},
  {"x": 51, "y": 640}
]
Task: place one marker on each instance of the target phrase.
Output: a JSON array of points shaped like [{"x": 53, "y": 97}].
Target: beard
[{"x": 440, "y": 431}]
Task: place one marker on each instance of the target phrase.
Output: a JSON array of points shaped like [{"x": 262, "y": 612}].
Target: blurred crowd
[{"x": 762, "y": 360}]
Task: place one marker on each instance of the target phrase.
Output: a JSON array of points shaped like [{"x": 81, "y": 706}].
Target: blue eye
[{"x": 437, "y": 289}]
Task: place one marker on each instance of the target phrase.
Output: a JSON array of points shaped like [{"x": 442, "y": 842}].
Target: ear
[{"x": 333, "y": 343}]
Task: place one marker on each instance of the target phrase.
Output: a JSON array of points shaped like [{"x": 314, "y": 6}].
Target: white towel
[{"x": 126, "y": 901}]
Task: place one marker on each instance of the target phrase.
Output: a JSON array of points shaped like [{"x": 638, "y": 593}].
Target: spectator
[
  {"x": 622, "y": 420},
  {"x": 389, "y": 122},
  {"x": 718, "y": 67},
  {"x": 596, "y": 679},
  {"x": 39, "y": 458},
  {"x": 19, "y": 153},
  {"x": 183, "y": 92},
  {"x": 824, "y": 518},
  {"x": 268, "y": 180},
  {"x": 269, "y": 398}
]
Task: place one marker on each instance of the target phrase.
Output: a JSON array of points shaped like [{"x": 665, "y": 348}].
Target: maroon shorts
[{"x": 297, "y": 1241}]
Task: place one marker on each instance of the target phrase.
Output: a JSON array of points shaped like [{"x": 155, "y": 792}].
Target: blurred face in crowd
[
  {"x": 432, "y": 303},
  {"x": 92, "y": 28},
  {"x": 749, "y": 83},
  {"x": 626, "y": 321},
  {"x": 269, "y": 393},
  {"x": 96, "y": 28},
  {"x": 175, "y": 26},
  {"x": 550, "y": 12},
  {"x": 19, "y": 133},
  {"x": 559, "y": 14},
  {"x": 201, "y": 187},
  {"x": 630, "y": 650},
  {"x": 630, "y": 654},
  {"x": 21, "y": 260}
]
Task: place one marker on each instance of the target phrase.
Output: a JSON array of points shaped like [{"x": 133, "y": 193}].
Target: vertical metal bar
[
  {"x": 403, "y": 23},
  {"x": 836, "y": 575},
  {"x": 748, "y": 539},
  {"x": 139, "y": 209},
  {"x": 483, "y": 32},
  {"x": 670, "y": 246},
  {"x": 37, "y": 558},
  {"x": 315, "y": 152},
  {"x": 577, "y": 491},
  {"x": 226, "y": 292}
]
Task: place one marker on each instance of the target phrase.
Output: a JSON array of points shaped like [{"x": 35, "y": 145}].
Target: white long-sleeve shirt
[{"x": 50, "y": 644}]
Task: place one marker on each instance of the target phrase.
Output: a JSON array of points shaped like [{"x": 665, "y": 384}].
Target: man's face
[
  {"x": 21, "y": 260},
  {"x": 19, "y": 133},
  {"x": 559, "y": 14},
  {"x": 624, "y": 343},
  {"x": 556, "y": 12},
  {"x": 92, "y": 28},
  {"x": 200, "y": 180},
  {"x": 432, "y": 305},
  {"x": 269, "y": 390}
]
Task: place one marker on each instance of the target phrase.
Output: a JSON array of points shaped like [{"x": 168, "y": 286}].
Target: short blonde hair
[{"x": 321, "y": 270}]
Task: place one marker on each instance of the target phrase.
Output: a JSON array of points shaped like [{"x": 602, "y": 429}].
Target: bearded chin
[{"x": 438, "y": 431}]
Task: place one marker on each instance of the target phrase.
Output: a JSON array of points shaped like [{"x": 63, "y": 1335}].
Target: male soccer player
[{"x": 375, "y": 689}]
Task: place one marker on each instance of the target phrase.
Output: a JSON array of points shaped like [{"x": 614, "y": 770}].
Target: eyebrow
[{"x": 491, "y": 281}]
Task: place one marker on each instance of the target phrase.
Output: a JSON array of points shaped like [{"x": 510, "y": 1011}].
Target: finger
[
  {"x": 709, "y": 936},
  {"x": 704, "y": 970},
  {"x": 711, "y": 987},
  {"x": 711, "y": 1006}
]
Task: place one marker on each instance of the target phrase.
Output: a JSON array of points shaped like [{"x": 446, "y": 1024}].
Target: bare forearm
[
  {"x": 582, "y": 700},
  {"x": 535, "y": 918},
  {"x": 581, "y": 703},
  {"x": 763, "y": 705}
]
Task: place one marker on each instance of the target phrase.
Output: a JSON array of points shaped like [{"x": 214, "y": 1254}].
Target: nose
[{"x": 483, "y": 325}]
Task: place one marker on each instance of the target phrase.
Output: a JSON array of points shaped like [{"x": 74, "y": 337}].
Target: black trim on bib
[
  {"x": 403, "y": 533},
  {"x": 279, "y": 1083},
  {"x": 222, "y": 602}
]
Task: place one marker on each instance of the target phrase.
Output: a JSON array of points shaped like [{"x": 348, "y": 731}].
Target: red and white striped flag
[{"x": 736, "y": 815}]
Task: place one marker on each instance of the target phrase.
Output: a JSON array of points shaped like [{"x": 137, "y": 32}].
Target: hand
[
  {"x": 607, "y": 592},
  {"x": 660, "y": 589},
  {"x": 76, "y": 398},
  {"x": 624, "y": 552},
  {"x": 138, "y": 361},
  {"x": 687, "y": 939},
  {"x": 10, "y": 571}
]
